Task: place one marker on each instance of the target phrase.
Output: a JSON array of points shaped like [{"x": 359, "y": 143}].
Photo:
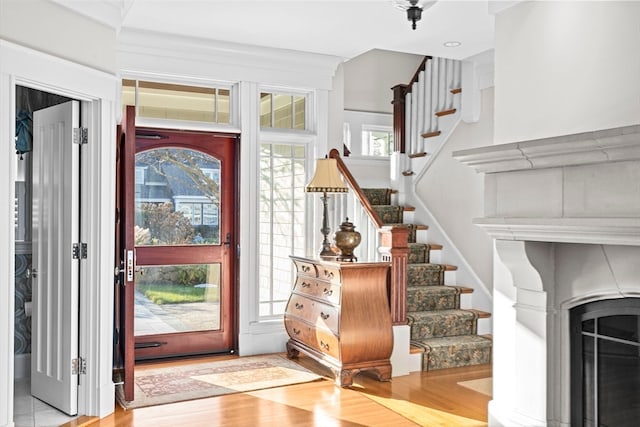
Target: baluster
[
  {"x": 420, "y": 100},
  {"x": 434, "y": 92},
  {"x": 442, "y": 85},
  {"x": 448, "y": 84},
  {"x": 457, "y": 79},
  {"x": 428, "y": 113},
  {"x": 414, "y": 117},
  {"x": 407, "y": 123}
]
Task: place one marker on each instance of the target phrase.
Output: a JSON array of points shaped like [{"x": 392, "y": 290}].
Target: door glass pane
[
  {"x": 177, "y": 198},
  {"x": 177, "y": 298}
]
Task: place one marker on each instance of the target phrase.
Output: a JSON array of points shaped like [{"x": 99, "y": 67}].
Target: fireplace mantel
[
  {"x": 565, "y": 215},
  {"x": 580, "y": 188}
]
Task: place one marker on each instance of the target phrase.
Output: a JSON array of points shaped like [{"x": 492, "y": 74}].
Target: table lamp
[{"x": 326, "y": 180}]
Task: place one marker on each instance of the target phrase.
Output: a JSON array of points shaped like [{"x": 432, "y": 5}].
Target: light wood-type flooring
[{"x": 422, "y": 398}]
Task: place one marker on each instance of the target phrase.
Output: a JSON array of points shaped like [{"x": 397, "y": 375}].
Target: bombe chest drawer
[{"x": 338, "y": 314}]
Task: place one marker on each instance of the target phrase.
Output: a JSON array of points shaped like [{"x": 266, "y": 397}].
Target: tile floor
[{"x": 31, "y": 412}]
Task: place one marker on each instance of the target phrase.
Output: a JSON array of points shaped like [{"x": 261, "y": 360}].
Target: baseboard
[{"x": 21, "y": 366}]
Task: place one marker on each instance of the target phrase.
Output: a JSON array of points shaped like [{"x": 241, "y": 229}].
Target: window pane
[
  {"x": 265, "y": 110},
  {"x": 224, "y": 106},
  {"x": 300, "y": 114},
  {"x": 283, "y": 111},
  {"x": 177, "y": 298},
  {"x": 177, "y": 198},
  {"x": 176, "y": 102},
  {"x": 377, "y": 142},
  {"x": 282, "y": 180}
]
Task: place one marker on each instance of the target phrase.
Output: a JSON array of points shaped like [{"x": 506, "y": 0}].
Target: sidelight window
[{"x": 281, "y": 222}]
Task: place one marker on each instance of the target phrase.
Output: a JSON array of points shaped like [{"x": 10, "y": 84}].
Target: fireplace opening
[{"x": 605, "y": 363}]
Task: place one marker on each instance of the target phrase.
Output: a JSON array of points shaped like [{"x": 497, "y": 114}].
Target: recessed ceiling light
[{"x": 452, "y": 44}]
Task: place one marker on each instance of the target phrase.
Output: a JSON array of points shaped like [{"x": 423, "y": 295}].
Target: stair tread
[
  {"x": 446, "y": 112},
  {"x": 461, "y": 289},
  {"x": 417, "y": 155},
  {"x": 431, "y": 134},
  {"x": 448, "y": 341},
  {"x": 415, "y": 226},
  {"x": 445, "y": 267},
  {"x": 447, "y": 312},
  {"x": 481, "y": 314},
  {"x": 430, "y": 246}
]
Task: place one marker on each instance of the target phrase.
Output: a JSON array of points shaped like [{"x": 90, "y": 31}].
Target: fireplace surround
[{"x": 564, "y": 213}]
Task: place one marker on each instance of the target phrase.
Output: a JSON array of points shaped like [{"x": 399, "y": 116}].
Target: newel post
[
  {"x": 399, "y": 94},
  {"x": 394, "y": 248}
]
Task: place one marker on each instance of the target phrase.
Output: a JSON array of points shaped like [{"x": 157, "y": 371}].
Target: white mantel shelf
[
  {"x": 602, "y": 146},
  {"x": 579, "y": 188},
  {"x": 611, "y": 231}
]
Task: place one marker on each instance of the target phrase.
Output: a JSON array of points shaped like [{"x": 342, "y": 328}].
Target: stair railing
[
  {"x": 418, "y": 104},
  {"x": 388, "y": 243}
]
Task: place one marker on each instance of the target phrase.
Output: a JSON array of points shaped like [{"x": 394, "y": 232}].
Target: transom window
[
  {"x": 283, "y": 111},
  {"x": 172, "y": 101}
]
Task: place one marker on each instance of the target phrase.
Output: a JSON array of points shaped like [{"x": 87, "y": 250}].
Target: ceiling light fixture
[
  {"x": 452, "y": 43},
  {"x": 413, "y": 8}
]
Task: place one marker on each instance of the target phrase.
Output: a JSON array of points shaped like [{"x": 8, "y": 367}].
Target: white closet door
[{"x": 54, "y": 342}]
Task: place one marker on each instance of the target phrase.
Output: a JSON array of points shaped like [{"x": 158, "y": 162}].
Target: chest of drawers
[{"x": 338, "y": 314}]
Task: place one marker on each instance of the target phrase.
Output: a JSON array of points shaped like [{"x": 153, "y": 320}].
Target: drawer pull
[
  {"x": 299, "y": 306},
  {"x": 296, "y": 331},
  {"x": 305, "y": 285},
  {"x": 328, "y": 292},
  {"x": 324, "y": 345},
  {"x": 305, "y": 268},
  {"x": 328, "y": 274},
  {"x": 324, "y": 316}
]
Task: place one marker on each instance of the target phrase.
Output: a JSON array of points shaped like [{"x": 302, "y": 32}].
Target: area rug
[
  {"x": 482, "y": 385},
  {"x": 159, "y": 386}
]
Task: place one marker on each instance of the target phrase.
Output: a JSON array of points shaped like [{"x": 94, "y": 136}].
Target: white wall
[
  {"x": 369, "y": 78},
  {"x": 566, "y": 67},
  {"x": 454, "y": 193},
  {"x": 51, "y": 28}
]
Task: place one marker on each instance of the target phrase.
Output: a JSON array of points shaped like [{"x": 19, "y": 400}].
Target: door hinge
[
  {"x": 78, "y": 366},
  {"x": 80, "y": 135},
  {"x": 79, "y": 250}
]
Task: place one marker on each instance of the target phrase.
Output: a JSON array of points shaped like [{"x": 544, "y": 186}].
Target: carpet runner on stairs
[{"x": 445, "y": 333}]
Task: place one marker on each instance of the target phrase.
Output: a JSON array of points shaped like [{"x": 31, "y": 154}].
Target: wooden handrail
[
  {"x": 416, "y": 75},
  {"x": 351, "y": 181},
  {"x": 394, "y": 247}
]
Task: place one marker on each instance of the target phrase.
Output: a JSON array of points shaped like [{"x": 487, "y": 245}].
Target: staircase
[{"x": 444, "y": 333}]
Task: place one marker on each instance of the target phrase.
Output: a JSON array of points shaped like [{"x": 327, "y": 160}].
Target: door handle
[
  {"x": 227, "y": 242},
  {"x": 31, "y": 273}
]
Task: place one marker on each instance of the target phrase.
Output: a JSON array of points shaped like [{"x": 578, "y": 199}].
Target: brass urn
[{"x": 347, "y": 239}]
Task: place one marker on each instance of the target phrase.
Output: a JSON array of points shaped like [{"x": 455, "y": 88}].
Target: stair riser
[
  {"x": 442, "y": 325},
  {"x": 456, "y": 356},
  {"x": 421, "y": 300},
  {"x": 425, "y": 275}
]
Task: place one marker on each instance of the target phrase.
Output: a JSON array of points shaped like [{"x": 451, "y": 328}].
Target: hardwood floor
[{"x": 422, "y": 398}]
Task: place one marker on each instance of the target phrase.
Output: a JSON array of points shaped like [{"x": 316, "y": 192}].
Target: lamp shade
[{"x": 327, "y": 178}]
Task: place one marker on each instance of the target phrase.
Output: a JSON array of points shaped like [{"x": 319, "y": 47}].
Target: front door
[
  {"x": 56, "y": 188},
  {"x": 179, "y": 250}
]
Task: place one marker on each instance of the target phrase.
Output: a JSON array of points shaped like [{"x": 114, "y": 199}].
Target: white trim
[
  {"x": 98, "y": 90},
  {"x": 609, "y": 145},
  {"x": 146, "y": 51},
  {"x": 607, "y": 231}
]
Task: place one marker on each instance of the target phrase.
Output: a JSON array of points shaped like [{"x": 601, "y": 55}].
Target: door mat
[
  {"x": 482, "y": 385},
  {"x": 158, "y": 386}
]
